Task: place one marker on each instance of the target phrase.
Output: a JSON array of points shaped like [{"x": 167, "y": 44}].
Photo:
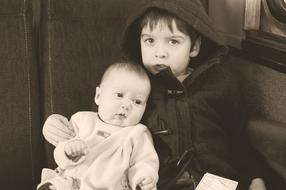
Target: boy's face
[
  {"x": 161, "y": 48},
  {"x": 122, "y": 97}
]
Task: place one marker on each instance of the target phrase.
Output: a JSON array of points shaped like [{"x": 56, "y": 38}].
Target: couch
[{"x": 52, "y": 55}]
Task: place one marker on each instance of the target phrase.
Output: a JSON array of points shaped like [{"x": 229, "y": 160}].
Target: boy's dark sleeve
[
  {"x": 220, "y": 122},
  {"x": 245, "y": 159}
]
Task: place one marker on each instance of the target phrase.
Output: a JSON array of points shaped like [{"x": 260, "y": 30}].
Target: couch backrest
[
  {"x": 263, "y": 88},
  {"x": 20, "y": 149}
]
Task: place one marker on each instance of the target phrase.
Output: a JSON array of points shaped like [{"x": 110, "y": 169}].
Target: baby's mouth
[{"x": 121, "y": 115}]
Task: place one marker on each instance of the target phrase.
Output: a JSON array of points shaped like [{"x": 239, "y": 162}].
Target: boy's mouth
[{"x": 160, "y": 67}]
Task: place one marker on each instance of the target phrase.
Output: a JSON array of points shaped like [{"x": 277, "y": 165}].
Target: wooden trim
[
  {"x": 262, "y": 48},
  {"x": 252, "y": 14},
  {"x": 277, "y": 9}
]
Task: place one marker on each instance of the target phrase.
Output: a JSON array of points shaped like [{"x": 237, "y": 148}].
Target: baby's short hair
[{"x": 126, "y": 66}]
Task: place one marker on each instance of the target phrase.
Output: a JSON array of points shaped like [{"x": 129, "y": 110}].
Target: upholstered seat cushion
[{"x": 269, "y": 139}]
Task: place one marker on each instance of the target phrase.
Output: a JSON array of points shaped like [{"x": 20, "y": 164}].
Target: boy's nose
[
  {"x": 160, "y": 56},
  {"x": 160, "y": 51}
]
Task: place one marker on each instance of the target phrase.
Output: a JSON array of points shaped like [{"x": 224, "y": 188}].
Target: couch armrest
[{"x": 269, "y": 139}]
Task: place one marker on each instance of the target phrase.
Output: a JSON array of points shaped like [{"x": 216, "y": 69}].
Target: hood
[{"x": 191, "y": 11}]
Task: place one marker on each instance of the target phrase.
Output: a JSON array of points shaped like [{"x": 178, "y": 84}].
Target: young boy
[
  {"x": 111, "y": 149},
  {"x": 195, "y": 95},
  {"x": 195, "y": 99}
]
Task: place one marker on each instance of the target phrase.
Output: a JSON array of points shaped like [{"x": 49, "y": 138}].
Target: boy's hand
[
  {"x": 147, "y": 183},
  {"x": 75, "y": 149},
  {"x": 257, "y": 184},
  {"x": 56, "y": 129}
]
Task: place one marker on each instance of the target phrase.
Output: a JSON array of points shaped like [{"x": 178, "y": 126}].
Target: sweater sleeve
[
  {"x": 144, "y": 159},
  {"x": 60, "y": 156}
]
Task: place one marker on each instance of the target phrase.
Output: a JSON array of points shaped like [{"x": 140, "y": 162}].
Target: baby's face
[
  {"x": 122, "y": 98},
  {"x": 161, "y": 48}
]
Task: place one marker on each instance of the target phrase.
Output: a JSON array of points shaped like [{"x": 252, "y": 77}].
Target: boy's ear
[
  {"x": 97, "y": 95},
  {"x": 196, "y": 47}
]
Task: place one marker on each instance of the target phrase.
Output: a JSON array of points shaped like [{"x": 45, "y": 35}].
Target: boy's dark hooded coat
[{"x": 204, "y": 112}]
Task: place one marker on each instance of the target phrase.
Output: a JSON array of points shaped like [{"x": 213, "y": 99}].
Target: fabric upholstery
[
  {"x": 268, "y": 137},
  {"x": 264, "y": 90},
  {"x": 20, "y": 150}
]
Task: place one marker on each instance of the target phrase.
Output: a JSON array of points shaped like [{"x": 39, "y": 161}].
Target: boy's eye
[
  {"x": 119, "y": 94},
  {"x": 174, "y": 42},
  {"x": 138, "y": 102},
  {"x": 149, "y": 41}
]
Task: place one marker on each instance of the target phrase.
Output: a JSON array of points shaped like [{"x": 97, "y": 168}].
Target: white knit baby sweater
[{"x": 117, "y": 158}]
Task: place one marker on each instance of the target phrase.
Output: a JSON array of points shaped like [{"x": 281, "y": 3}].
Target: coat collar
[
  {"x": 167, "y": 79},
  {"x": 167, "y": 82}
]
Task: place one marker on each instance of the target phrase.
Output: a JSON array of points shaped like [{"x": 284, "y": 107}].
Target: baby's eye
[
  {"x": 119, "y": 94},
  {"x": 138, "y": 102},
  {"x": 174, "y": 42}
]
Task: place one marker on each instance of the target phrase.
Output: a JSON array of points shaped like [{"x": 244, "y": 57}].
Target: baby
[{"x": 111, "y": 149}]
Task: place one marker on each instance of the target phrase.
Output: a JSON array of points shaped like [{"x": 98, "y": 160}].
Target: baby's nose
[{"x": 126, "y": 105}]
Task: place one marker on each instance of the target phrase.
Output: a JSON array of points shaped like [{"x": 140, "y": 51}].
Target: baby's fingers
[
  {"x": 146, "y": 181},
  {"x": 147, "y": 184},
  {"x": 52, "y": 187},
  {"x": 80, "y": 148},
  {"x": 76, "y": 148}
]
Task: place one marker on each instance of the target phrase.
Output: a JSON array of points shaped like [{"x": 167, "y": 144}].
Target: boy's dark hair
[
  {"x": 153, "y": 15},
  {"x": 131, "y": 42},
  {"x": 128, "y": 66}
]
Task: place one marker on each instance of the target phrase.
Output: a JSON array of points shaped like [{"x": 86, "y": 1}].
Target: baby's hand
[
  {"x": 56, "y": 129},
  {"x": 147, "y": 183},
  {"x": 75, "y": 149}
]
